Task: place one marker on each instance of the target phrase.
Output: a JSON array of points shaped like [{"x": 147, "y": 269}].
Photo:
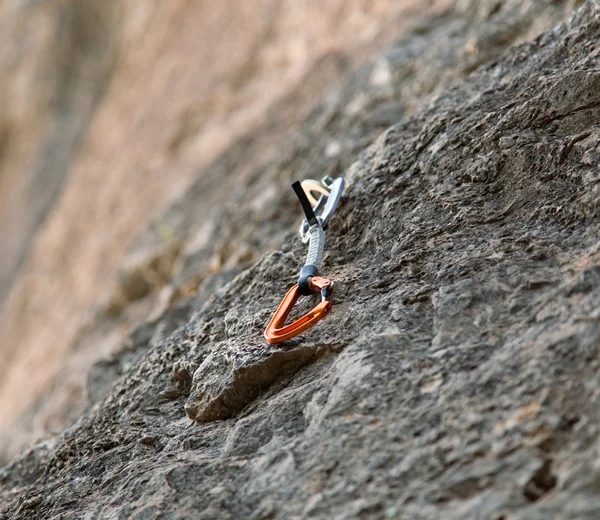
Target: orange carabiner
[{"x": 278, "y": 331}]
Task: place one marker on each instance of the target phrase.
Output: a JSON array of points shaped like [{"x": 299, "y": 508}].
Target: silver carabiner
[{"x": 327, "y": 203}]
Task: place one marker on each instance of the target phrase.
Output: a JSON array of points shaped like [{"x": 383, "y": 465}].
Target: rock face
[
  {"x": 108, "y": 111},
  {"x": 457, "y": 375}
]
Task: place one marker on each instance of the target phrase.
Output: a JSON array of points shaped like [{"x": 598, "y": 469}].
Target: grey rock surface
[{"x": 457, "y": 376}]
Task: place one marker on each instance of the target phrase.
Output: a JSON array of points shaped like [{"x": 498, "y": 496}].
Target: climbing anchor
[{"x": 312, "y": 230}]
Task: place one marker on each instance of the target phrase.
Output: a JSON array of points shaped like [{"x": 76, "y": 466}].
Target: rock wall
[
  {"x": 108, "y": 111},
  {"x": 457, "y": 374}
]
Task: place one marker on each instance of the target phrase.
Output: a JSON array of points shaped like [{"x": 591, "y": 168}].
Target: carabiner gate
[
  {"x": 327, "y": 202},
  {"x": 277, "y": 331}
]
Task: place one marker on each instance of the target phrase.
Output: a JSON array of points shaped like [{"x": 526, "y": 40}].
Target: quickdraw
[{"x": 312, "y": 230}]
